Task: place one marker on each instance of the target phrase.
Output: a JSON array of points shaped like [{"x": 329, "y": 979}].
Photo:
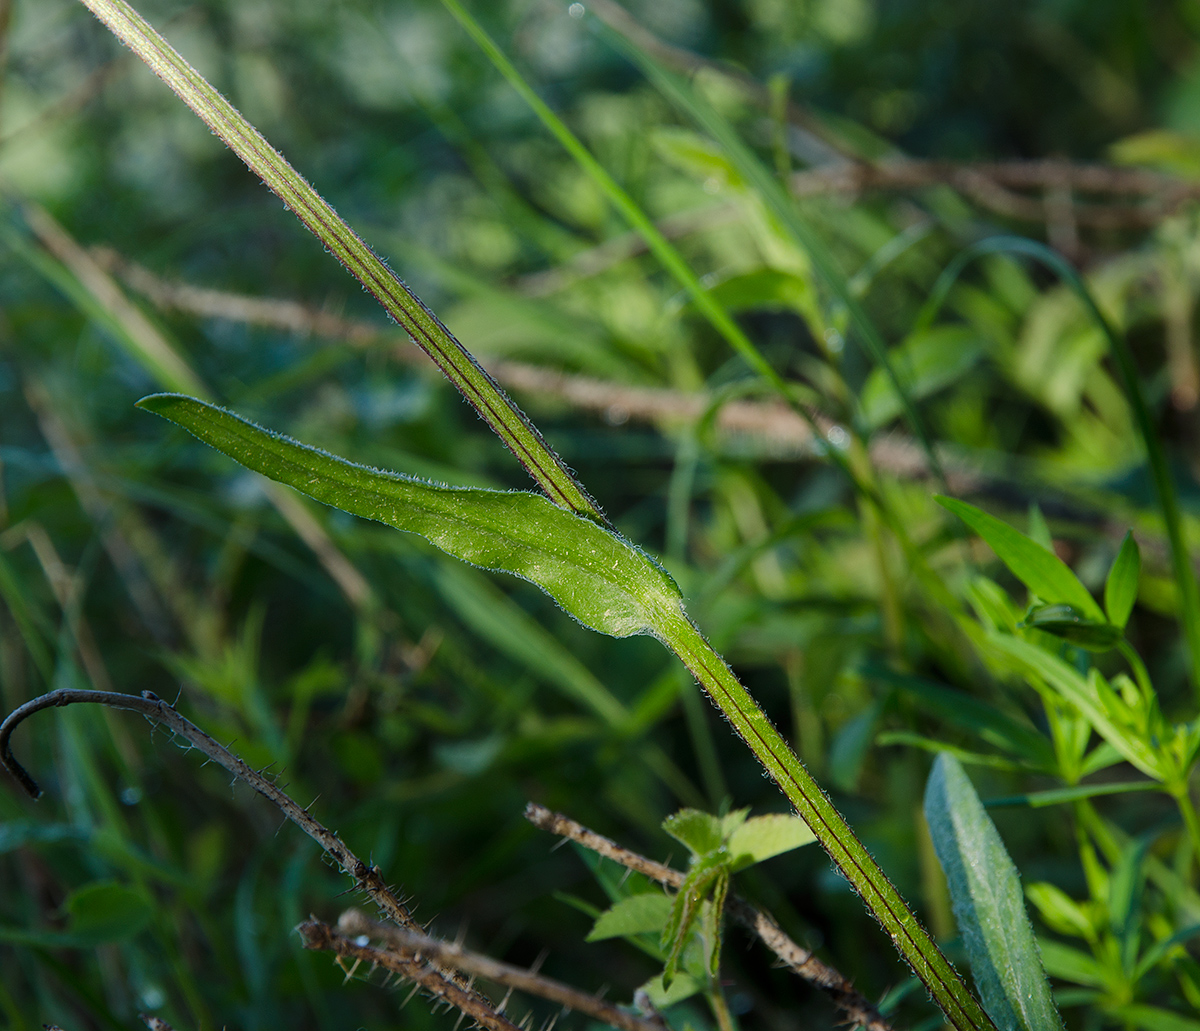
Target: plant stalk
[
  {"x": 849, "y": 854},
  {"x": 482, "y": 392}
]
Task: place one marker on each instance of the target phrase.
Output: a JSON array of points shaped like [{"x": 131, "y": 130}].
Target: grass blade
[
  {"x": 781, "y": 205},
  {"x": 1043, "y": 572}
]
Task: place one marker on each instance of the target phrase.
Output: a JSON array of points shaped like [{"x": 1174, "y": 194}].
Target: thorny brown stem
[
  {"x": 318, "y": 935},
  {"x": 368, "y": 878},
  {"x": 799, "y": 960},
  {"x": 354, "y": 923}
]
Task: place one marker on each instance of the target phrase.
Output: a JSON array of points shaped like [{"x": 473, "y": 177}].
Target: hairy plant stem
[
  {"x": 427, "y": 331},
  {"x": 720, "y": 1008},
  {"x": 676, "y": 630},
  {"x": 831, "y": 829}
]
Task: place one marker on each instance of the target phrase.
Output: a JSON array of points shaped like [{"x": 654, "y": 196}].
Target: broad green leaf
[
  {"x": 106, "y": 911},
  {"x": 699, "y": 831},
  {"x": 1043, "y": 572},
  {"x": 1120, "y": 589},
  {"x": 925, "y": 363},
  {"x": 638, "y": 914},
  {"x": 762, "y": 837},
  {"x": 988, "y": 904},
  {"x": 595, "y": 575},
  {"x": 1069, "y": 624}
]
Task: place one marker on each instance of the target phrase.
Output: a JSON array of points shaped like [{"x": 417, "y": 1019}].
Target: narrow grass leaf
[
  {"x": 988, "y": 904},
  {"x": 1043, "y": 572},
  {"x": 595, "y": 575},
  {"x": 990, "y": 724},
  {"x": 1038, "y": 664},
  {"x": 1151, "y": 1018},
  {"x": 1120, "y": 589}
]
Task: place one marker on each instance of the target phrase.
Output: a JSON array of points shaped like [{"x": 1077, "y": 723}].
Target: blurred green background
[{"x": 423, "y": 702}]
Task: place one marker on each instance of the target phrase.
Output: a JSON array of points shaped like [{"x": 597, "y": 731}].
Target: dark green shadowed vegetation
[{"x": 833, "y": 359}]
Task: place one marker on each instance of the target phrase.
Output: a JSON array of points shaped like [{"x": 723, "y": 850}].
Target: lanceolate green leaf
[
  {"x": 594, "y": 574},
  {"x": 1043, "y": 572},
  {"x": 1120, "y": 590},
  {"x": 988, "y": 903}
]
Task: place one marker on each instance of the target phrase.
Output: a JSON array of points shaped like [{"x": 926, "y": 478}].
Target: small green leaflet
[
  {"x": 595, "y": 575},
  {"x": 1043, "y": 572},
  {"x": 639, "y": 914},
  {"x": 1120, "y": 589}
]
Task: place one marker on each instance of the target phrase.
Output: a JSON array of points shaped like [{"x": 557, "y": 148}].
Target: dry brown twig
[
  {"x": 992, "y": 185},
  {"x": 319, "y": 935},
  {"x": 801, "y": 961},
  {"x": 354, "y": 923},
  {"x": 368, "y": 879},
  {"x": 434, "y": 965}
]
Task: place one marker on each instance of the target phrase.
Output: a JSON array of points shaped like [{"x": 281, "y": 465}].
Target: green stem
[
  {"x": 1188, "y": 811},
  {"x": 831, "y": 829},
  {"x": 1139, "y": 669},
  {"x": 720, "y": 1009},
  {"x": 427, "y": 331}
]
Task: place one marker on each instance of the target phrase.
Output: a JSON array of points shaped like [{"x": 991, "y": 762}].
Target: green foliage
[
  {"x": 597, "y": 577},
  {"x": 986, "y": 892},
  {"x": 420, "y": 700}
]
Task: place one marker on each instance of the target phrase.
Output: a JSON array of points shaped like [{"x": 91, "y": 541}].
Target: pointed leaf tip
[
  {"x": 1043, "y": 572},
  {"x": 1120, "y": 590}
]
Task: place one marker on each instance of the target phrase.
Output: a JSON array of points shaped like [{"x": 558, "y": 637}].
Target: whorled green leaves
[{"x": 593, "y": 573}]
